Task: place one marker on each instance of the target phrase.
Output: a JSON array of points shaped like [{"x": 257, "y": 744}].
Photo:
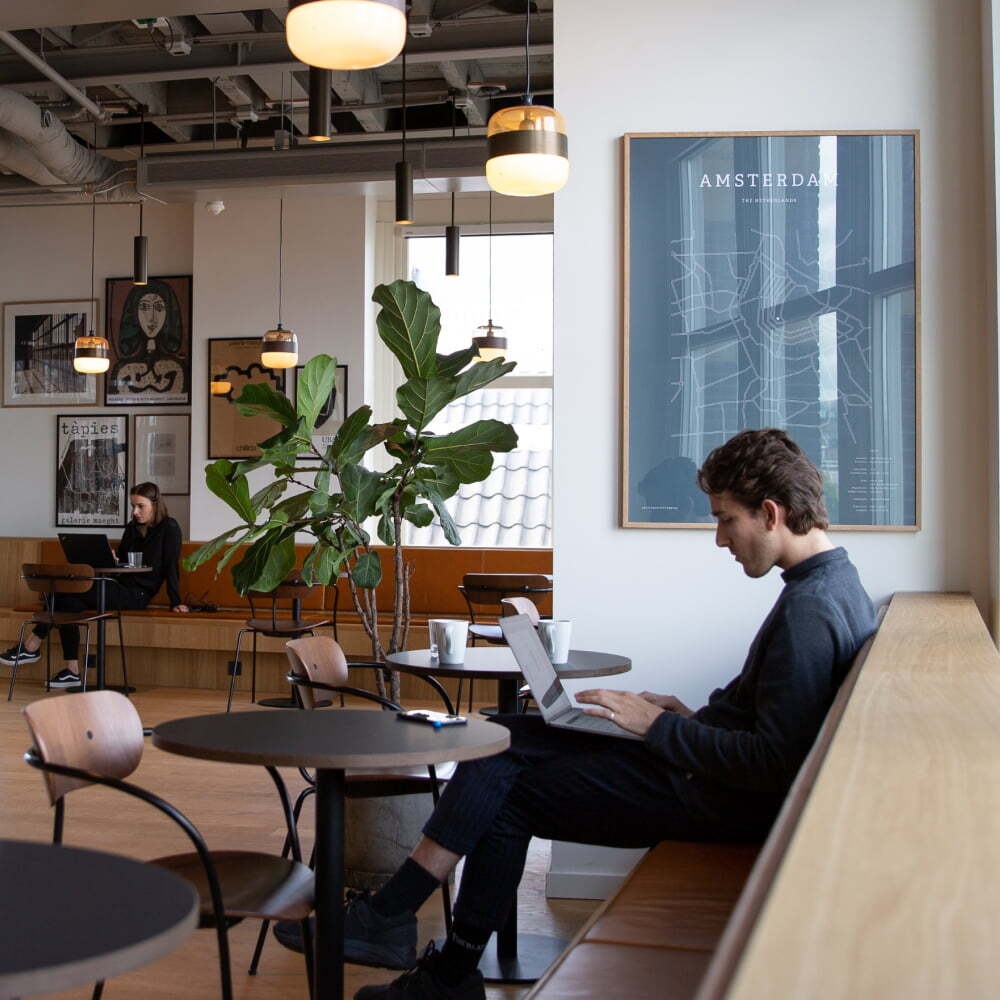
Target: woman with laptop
[{"x": 154, "y": 533}]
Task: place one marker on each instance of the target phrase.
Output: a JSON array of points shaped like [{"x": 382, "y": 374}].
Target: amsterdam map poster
[{"x": 772, "y": 280}]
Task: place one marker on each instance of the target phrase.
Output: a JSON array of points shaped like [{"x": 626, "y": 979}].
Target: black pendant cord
[
  {"x": 453, "y": 136},
  {"x": 528, "y": 99},
  {"x": 281, "y": 255},
  {"x": 490, "y": 331},
  {"x": 142, "y": 154},
  {"x": 404, "y": 102},
  {"x": 93, "y": 241}
]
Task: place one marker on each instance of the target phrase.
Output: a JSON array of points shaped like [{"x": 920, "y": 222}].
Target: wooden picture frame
[
  {"x": 772, "y": 279},
  {"x": 149, "y": 336},
  {"x": 162, "y": 451},
  {"x": 231, "y": 435},
  {"x": 91, "y": 470},
  {"x": 38, "y": 344}
]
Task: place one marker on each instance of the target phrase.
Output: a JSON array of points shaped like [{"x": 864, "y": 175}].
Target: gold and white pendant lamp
[
  {"x": 346, "y": 34},
  {"x": 279, "y": 348},
  {"x": 91, "y": 353},
  {"x": 489, "y": 344}
]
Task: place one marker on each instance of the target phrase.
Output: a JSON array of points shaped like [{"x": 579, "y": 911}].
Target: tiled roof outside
[{"x": 512, "y": 507}]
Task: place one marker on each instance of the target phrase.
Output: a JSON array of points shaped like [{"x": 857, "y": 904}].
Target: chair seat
[
  {"x": 285, "y": 627},
  {"x": 253, "y": 885}
]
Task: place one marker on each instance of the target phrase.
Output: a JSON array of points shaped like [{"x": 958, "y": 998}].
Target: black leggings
[{"x": 117, "y": 596}]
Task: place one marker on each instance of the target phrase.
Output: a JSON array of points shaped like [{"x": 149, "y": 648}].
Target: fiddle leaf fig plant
[{"x": 331, "y": 495}]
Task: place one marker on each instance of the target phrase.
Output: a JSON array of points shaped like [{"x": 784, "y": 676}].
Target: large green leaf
[
  {"x": 452, "y": 364},
  {"x": 313, "y": 387},
  {"x": 370, "y": 437},
  {"x": 367, "y": 571},
  {"x": 325, "y": 563},
  {"x": 360, "y": 487},
  {"x": 386, "y": 530},
  {"x": 343, "y": 443},
  {"x": 295, "y": 507},
  {"x": 422, "y": 399},
  {"x": 438, "y": 481},
  {"x": 482, "y": 374},
  {"x": 267, "y": 562},
  {"x": 260, "y": 399},
  {"x": 467, "y": 453},
  {"x": 267, "y": 497},
  {"x": 447, "y": 524},
  {"x": 409, "y": 324},
  {"x": 231, "y": 488},
  {"x": 205, "y": 552},
  {"x": 421, "y": 515}
]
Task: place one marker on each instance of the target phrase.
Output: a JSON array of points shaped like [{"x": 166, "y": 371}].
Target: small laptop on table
[
  {"x": 90, "y": 548},
  {"x": 546, "y": 688}
]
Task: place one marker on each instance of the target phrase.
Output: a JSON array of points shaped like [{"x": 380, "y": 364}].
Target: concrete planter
[{"x": 379, "y": 834}]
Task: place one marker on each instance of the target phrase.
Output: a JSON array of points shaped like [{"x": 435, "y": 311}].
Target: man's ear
[{"x": 773, "y": 514}]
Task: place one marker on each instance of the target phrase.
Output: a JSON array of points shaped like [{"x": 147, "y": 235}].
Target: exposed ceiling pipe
[
  {"x": 43, "y": 67},
  {"x": 16, "y": 155}
]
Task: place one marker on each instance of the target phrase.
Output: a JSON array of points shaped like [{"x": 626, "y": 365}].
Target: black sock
[
  {"x": 406, "y": 891},
  {"x": 461, "y": 952}
]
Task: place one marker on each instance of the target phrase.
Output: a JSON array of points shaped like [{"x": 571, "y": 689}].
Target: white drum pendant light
[
  {"x": 279, "y": 348},
  {"x": 91, "y": 354},
  {"x": 346, "y": 34}
]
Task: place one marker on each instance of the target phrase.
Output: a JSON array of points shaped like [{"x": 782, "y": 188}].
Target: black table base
[
  {"x": 534, "y": 954},
  {"x": 277, "y": 702}
]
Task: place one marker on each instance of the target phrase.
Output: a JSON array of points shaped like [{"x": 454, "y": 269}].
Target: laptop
[
  {"x": 88, "y": 547},
  {"x": 546, "y": 688}
]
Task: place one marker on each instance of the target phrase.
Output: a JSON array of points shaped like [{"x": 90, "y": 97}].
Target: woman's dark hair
[
  {"x": 152, "y": 493},
  {"x": 767, "y": 464},
  {"x": 132, "y": 337}
]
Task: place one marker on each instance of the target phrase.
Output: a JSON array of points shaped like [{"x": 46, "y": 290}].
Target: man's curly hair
[{"x": 759, "y": 465}]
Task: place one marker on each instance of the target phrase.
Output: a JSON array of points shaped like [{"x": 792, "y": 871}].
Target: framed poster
[
  {"x": 772, "y": 279},
  {"x": 162, "y": 451},
  {"x": 92, "y": 470},
  {"x": 334, "y": 410},
  {"x": 149, "y": 334},
  {"x": 38, "y": 340},
  {"x": 231, "y": 435}
]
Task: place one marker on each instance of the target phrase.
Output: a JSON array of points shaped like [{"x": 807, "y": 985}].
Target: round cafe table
[
  {"x": 519, "y": 958},
  {"x": 330, "y": 742},
  {"x": 72, "y": 916}
]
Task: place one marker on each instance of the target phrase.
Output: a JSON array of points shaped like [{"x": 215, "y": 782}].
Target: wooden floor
[{"x": 234, "y": 807}]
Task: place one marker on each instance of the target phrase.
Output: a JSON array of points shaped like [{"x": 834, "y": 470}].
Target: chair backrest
[
  {"x": 317, "y": 658},
  {"x": 520, "y": 606},
  {"x": 58, "y": 578},
  {"x": 489, "y": 589},
  {"x": 98, "y": 731},
  {"x": 281, "y": 601}
]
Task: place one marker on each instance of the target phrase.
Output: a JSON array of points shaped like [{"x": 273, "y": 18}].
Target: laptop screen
[
  {"x": 87, "y": 547},
  {"x": 546, "y": 688}
]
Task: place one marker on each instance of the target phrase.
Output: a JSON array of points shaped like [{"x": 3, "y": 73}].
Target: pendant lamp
[
  {"x": 404, "y": 172},
  {"x": 140, "y": 245},
  {"x": 91, "y": 353},
  {"x": 452, "y": 234},
  {"x": 346, "y": 34},
  {"x": 527, "y": 148},
  {"x": 319, "y": 104},
  {"x": 220, "y": 384},
  {"x": 489, "y": 345},
  {"x": 279, "y": 348}
]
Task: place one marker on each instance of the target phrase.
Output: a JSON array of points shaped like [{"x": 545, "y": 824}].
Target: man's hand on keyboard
[{"x": 630, "y": 711}]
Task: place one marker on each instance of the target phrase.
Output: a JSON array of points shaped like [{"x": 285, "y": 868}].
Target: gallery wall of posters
[
  {"x": 38, "y": 340},
  {"x": 772, "y": 280},
  {"x": 229, "y": 434},
  {"x": 91, "y": 470},
  {"x": 149, "y": 335}
]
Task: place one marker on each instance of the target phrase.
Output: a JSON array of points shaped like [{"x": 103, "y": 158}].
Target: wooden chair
[
  {"x": 96, "y": 739},
  {"x": 283, "y": 620},
  {"x": 317, "y": 664},
  {"x": 521, "y": 606},
  {"x": 50, "y": 580}
]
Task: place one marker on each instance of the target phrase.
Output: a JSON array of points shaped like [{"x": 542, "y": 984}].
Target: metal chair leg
[
  {"x": 253, "y": 671},
  {"x": 121, "y": 644},
  {"x": 307, "y": 951},
  {"x": 85, "y": 669},
  {"x": 236, "y": 660},
  {"x": 17, "y": 660}
]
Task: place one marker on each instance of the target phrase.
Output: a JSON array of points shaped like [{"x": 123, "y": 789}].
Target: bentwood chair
[
  {"x": 96, "y": 739},
  {"x": 317, "y": 666},
  {"x": 50, "y": 580},
  {"x": 278, "y": 614}
]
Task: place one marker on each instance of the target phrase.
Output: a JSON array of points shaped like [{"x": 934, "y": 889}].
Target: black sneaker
[
  {"x": 369, "y": 938},
  {"x": 421, "y": 983},
  {"x": 11, "y": 656},
  {"x": 65, "y": 679}
]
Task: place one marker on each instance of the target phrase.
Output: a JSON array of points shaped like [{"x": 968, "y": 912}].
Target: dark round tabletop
[
  {"x": 72, "y": 916},
  {"x": 498, "y": 663},
  {"x": 336, "y": 738}
]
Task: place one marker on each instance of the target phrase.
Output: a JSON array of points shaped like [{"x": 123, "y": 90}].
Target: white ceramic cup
[
  {"x": 555, "y": 638},
  {"x": 135, "y": 559},
  {"x": 449, "y": 635}
]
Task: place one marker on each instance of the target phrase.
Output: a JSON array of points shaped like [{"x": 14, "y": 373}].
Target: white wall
[
  {"x": 680, "y": 608},
  {"x": 45, "y": 255}
]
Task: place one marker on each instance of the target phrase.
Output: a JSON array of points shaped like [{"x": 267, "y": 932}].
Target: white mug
[
  {"x": 449, "y": 636},
  {"x": 135, "y": 559},
  {"x": 555, "y": 638}
]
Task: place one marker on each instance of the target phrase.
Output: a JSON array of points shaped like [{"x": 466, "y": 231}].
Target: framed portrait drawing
[
  {"x": 38, "y": 340},
  {"x": 772, "y": 280},
  {"x": 149, "y": 335},
  {"x": 92, "y": 470},
  {"x": 231, "y": 435},
  {"x": 163, "y": 451},
  {"x": 334, "y": 410}
]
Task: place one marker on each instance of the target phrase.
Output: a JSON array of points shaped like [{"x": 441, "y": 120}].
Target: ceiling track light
[
  {"x": 452, "y": 234},
  {"x": 527, "y": 148},
  {"x": 91, "y": 353},
  {"x": 346, "y": 34},
  {"x": 279, "y": 348},
  {"x": 140, "y": 245},
  {"x": 404, "y": 172},
  {"x": 320, "y": 82}
]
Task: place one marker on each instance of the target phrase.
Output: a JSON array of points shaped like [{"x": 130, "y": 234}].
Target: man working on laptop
[{"x": 719, "y": 773}]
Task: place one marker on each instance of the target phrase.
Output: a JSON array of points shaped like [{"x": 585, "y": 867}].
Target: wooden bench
[
  {"x": 155, "y": 635},
  {"x": 657, "y": 935}
]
